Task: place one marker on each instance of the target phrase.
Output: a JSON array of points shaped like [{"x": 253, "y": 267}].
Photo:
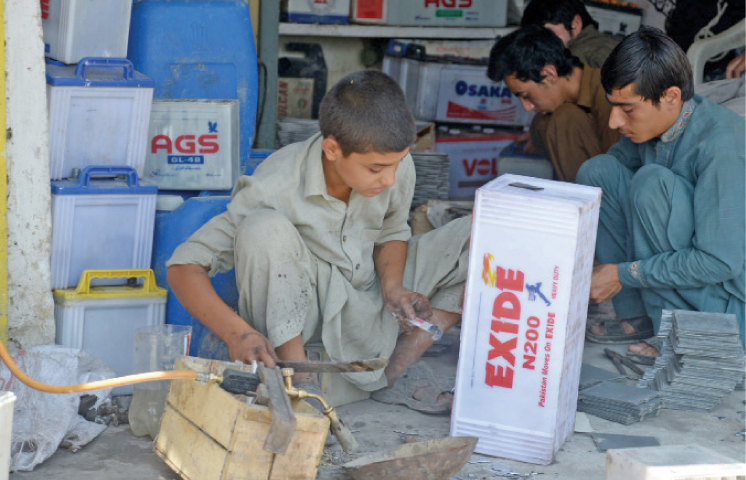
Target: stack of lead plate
[
  {"x": 701, "y": 360},
  {"x": 525, "y": 306},
  {"x": 293, "y": 130},
  {"x": 619, "y": 402},
  {"x": 432, "y": 177}
]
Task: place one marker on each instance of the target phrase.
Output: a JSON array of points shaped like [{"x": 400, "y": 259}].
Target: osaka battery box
[
  {"x": 318, "y": 11},
  {"x": 103, "y": 220},
  {"x": 193, "y": 144},
  {"x": 523, "y": 326},
  {"x": 451, "y": 13},
  {"x": 98, "y": 115},
  {"x": 75, "y": 29},
  {"x": 473, "y": 158},
  {"x": 102, "y": 320},
  {"x": 467, "y": 95}
]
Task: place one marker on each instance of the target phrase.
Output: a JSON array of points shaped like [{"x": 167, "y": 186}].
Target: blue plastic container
[
  {"x": 198, "y": 49},
  {"x": 171, "y": 230}
]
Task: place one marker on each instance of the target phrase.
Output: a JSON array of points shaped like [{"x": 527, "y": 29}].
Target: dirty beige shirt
[{"x": 354, "y": 321}]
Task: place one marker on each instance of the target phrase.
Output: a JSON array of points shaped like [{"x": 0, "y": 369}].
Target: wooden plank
[
  {"x": 283, "y": 417},
  {"x": 187, "y": 450}
]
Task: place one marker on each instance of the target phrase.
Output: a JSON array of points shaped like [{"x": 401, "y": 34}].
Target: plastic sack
[{"x": 41, "y": 421}]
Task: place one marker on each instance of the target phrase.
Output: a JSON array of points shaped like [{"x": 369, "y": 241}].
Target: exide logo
[
  {"x": 497, "y": 91},
  {"x": 185, "y": 144},
  {"x": 448, "y": 3}
]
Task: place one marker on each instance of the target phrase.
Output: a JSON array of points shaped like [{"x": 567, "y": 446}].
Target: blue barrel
[
  {"x": 198, "y": 49},
  {"x": 172, "y": 228}
]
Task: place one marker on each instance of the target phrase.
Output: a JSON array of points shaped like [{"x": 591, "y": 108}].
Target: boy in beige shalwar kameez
[{"x": 320, "y": 243}]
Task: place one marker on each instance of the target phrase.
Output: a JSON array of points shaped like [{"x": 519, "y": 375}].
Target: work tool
[
  {"x": 336, "y": 367},
  {"x": 619, "y": 361}
]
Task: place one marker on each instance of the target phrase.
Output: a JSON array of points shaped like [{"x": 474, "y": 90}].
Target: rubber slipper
[
  {"x": 417, "y": 390},
  {"x": 654, "y": 342},
  {"x": 614, "y": 332}
]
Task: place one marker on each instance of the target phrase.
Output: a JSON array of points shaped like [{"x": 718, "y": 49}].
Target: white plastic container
[
  {"x": 102, "y": 320},
  {"x": 98, "y": 115},
  {"x": 193, "y": 144},
  {"x": 524, "y": 314},
  {"x": 101, "y": 223},
  {"x": 672, "y": 462},
  {"x": 451, "y": 13},
  {"x": 7, "y": 400},
  {"x": 75, "y": 29}
]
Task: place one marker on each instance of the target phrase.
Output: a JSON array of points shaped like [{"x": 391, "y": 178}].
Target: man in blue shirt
[{"x": 672, "y": 231}]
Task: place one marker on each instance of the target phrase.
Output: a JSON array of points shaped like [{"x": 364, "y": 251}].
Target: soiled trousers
[
  {"x": 637, "y": 220},
  {"x": 286, "y": 291}
]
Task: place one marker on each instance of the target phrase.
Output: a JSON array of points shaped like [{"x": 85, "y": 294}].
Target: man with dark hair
[
  {"x": 319, "y": 239},
  {"x": 549, "y": 80},
  {"x": 672, "y": 222},
  {"x": 570, "y": 21}
]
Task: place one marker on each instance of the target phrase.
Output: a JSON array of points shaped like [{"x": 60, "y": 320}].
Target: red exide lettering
[
  {"x": 509, "y": 280},
  {"x": 499, "y": 376}
]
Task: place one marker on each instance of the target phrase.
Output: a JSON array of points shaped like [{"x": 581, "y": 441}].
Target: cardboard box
[
  {"x": 473, "y": 158},
  {"x": 370, "y": 11},
  {"x": 467, "y": 95},
  {"x": 319, "y": 11},
  {"x": 525, "y": 307},
  {"x": 425, "y": 138},
  {"x": 452, "y": 13}
]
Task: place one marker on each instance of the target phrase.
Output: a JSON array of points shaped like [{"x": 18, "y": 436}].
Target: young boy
[
  {"x": 672, "y": 220},
  {"x": 321, "y": 246},
  {"x": 572, "y": 111}
]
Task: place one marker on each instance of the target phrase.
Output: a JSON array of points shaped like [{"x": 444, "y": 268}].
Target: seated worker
[
  {"x": 672, "y": 221},
  {"x": 320, "y": 243},
  {"x": 549, "y": 80},
  {"x": 572, "y": 23}
]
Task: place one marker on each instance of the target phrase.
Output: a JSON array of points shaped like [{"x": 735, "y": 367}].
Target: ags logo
[
  {"x": 448, "y": 3},
  {"x": 185, "y": 144}
]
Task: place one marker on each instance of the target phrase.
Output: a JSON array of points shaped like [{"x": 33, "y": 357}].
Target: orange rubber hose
[{"x": 90, "y": 386}]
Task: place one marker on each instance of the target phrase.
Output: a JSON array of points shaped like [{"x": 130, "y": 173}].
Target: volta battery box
[
  {"x": 101, "y": 221},
  {"x": 98, "y": 115},
  {"x": 473, "y": 158},
  {"x": 530, "y": 262},
  {"x": 193, "y": 144},
  {"x": 450, "y": 13},
  {"x": 75, "y": 29},
  {"x": 102, "y": 320}
]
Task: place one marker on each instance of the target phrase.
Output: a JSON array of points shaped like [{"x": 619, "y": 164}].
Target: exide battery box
[
  {"x": 523, "y": 326},
  {"x": 193, "y": 144}
]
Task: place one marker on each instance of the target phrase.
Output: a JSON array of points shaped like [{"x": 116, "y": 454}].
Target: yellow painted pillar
[{"x": 3, "y": 195}]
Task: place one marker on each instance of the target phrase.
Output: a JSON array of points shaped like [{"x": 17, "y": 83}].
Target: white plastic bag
[{"x": 42, "y": 420}]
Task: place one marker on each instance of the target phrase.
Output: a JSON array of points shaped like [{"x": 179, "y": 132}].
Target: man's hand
[
  {"x": 403, "y": 304},
  {"x": 528, "y": 147},
  {"x": 736, "y": 67},
  {"x": 251, "y": 345},
  {"x": 605, "y": 283}
]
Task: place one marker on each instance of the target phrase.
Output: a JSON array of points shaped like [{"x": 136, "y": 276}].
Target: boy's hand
[
  {"x": 605, "y": 283},
  {"x": 403, "y": 304},
  {"x": 250, "y": 346}
]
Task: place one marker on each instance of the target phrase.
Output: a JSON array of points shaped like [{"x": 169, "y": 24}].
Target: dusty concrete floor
[{"x": 117, "y": 454}]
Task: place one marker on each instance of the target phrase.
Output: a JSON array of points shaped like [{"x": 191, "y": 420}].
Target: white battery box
[
  {"x": 98, "y": 115},
  {"x": 102, "y": 320},
  {"x": 104, "y": 220}
]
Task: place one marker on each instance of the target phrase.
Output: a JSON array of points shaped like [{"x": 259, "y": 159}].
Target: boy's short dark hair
[
  {"x": 526, "y": 51},
  {"x": 651, "y": 62},
  {"x": 541, "y": 12},
  {"x": 367, "y": 111}
]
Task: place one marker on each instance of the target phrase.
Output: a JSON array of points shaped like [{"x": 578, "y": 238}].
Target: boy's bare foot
[
  {"x": 410, "y": 346},
  {"x": 643, "y": 348}
]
